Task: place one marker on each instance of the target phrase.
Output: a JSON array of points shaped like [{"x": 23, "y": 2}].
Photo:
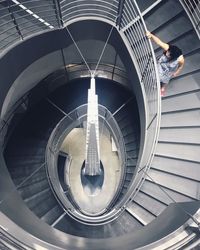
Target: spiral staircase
[{"x": 44, "y": 77}]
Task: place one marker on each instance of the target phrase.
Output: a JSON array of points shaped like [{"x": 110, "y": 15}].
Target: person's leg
[{"x": 162, "y": 88}]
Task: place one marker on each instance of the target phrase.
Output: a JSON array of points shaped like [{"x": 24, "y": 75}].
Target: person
[{"x": 170, "y": 63}]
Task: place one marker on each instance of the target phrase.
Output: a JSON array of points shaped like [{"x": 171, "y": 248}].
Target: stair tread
[
  {"x": 184, "y": 186},
  {"x": 140, "y": 213},
  {"x": 177, "y": 167},
  {"x": 162, "y": 16}
]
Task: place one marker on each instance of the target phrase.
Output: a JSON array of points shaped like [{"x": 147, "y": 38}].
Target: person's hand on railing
[
  {"x": 148, "y": 34},
  {"x": 157, "y": 40}
]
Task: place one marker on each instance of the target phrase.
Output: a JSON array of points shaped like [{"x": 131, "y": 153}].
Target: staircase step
[
  {"x": 140, "y": 213},
  {"x": 184, "y": 84},
  {"x": 162, "y": 16},
  {"x": 130, "y": 139},
  {"x": 183, "y": 118},
  {"x": 180, "y": 134},
  {"x": 144, "y": 4},
  {"x": 128, "y": 176},
  {"x": 131, "y": 146},
  {"x": 122, "y": 225},
  {"x": 128, "y": 131},
  {"x": 177, "y": 167},
  {"x": 52, "y": 215},
  {"x": 186, "y": 39},
  {"x": 183, "y": 101},
  {"x": 153, "y": 205},
  {"x": 124, "y": 123},
  {"x": 192, "y": 62},
  {"x": 20, "y": 176},
  {"x": 168, "y": 33},
  {"x": 131, "y": 162},
  {"x": 163, "y": 193},
  {"x": 32, "y": 187},
  {"x": 127, "y": 223},
  {"x": 38, "y": 198},
  {"x": 26, "y": 163},
  {"x": 179, "y": 184},
  {"x": 187, "y": 152},
  {"x": 130, "y": 169},
  {"x": 40, "y": 209}
]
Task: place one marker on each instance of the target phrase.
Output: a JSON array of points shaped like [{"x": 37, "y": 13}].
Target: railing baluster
[
  {"x": 120, "y": 10},
  {"x": 192, "y": 8},
  {"x": 126, "y": 15},
  {"x": 58, "y": 12},
  {"x": 14, "y": 20}
]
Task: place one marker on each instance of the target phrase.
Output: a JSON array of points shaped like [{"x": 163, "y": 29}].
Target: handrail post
[
  {"x": 59, "y": 13},
  {"x": 120, "y": 11}
]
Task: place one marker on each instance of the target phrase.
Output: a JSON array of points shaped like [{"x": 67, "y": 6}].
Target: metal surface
[
  {"x": 77, "y": 117},
  {"x": 171, "y": 117},
  {"x": 192, "y": 8},
  {"x": 132, "y": 27},
  {"x": 20, "y": 19}
]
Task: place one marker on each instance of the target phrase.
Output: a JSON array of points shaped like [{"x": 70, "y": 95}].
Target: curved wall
[
  {"x": 28, "y": 62},
  {"x": 32, "y": 54},
  {"x": 17, "y": 60}
]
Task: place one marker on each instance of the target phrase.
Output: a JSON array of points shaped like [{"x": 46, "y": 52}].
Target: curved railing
[
  {"x": 132, "y": 25},
  {"x": 127, "y": 17},
  {"x": 107, "y": 71},
  {"x": 20, "y": 19},
  {"x": 83, "y": 8},
  {"x": 192, "y": 8},
  {"x": 74, "y": 119},
  {"x": 26, "y": 18}
]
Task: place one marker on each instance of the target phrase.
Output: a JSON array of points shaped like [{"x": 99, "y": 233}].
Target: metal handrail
[
  {"x": 192, "y": 8},
  {"x": 144, "y": 54},
  {"x": 71, "y": 69},
  {"x": 100, "y": 9},
  {"x": 13, "y": 12},
  {"x": 77, "y": 117},
  {"x": 7, "y": 119},
  {"x": 132, "y": 28}
]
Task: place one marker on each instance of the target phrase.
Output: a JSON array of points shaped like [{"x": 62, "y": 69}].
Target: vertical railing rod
[
  {"x": 189, "y": 8},
  {"x": 14, "y": 21},
  {"x": 146, "y": 67},
  {"x": 120, "y": 11},
  {"x": 59, "y": 12},
  {"x": 133, "y": 42},
  {"x": 137, "y": 52},
  {"x": 64, "y": 63},
  {"x": 154, "y": 117},
  {"x": 141, "y": 31},
  {"x": 137, "y": 31}
]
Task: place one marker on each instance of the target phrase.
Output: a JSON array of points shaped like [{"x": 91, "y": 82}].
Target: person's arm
[
  {"x": 157, "y": 40},
  {"x": 181, "y": 61}
]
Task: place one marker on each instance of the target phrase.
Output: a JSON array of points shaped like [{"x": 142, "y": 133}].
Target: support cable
[
  {"x": 123, "y": 105},
  {"x": 90, "y": 71},
  {"x": 103, "y": 50},
  {"x": 56, "y": 106}
]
